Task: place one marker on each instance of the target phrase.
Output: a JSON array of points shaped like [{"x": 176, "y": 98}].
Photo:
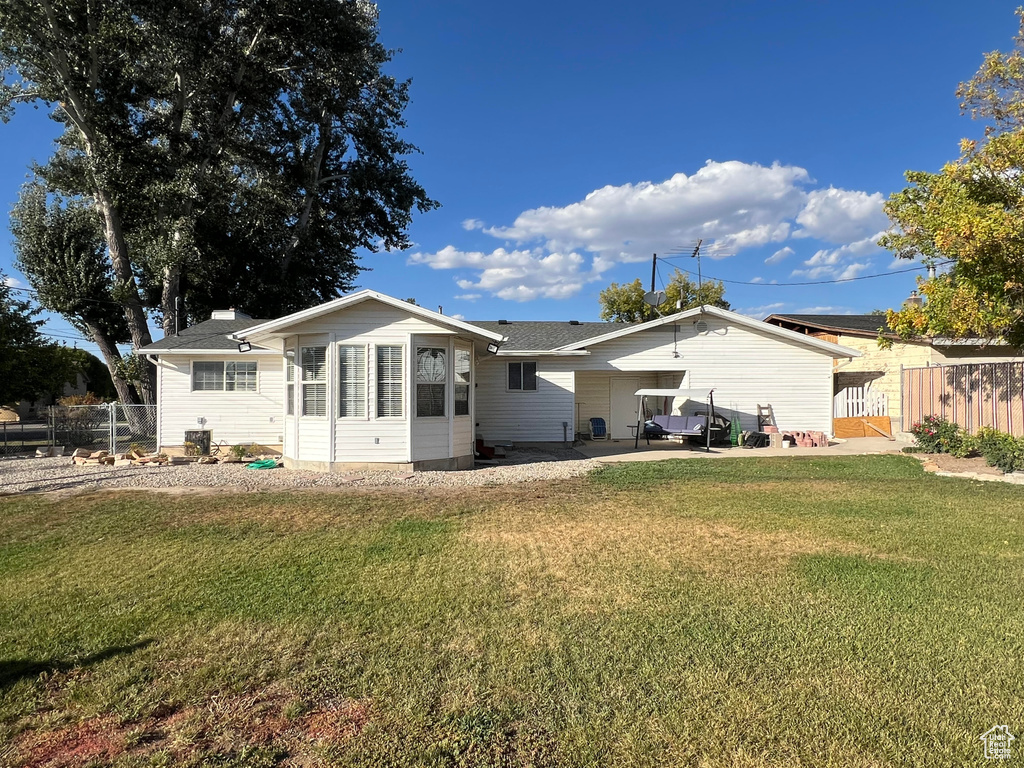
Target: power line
[
  {"x": 813, "y": 282},
  {"x": 35, "y": 293}
]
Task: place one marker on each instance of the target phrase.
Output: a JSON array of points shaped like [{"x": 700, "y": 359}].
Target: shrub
[
  {"x": 87, "y": 399},
  {"x": 1000, "y": 449},
  {"x": 935, "y": 435}
]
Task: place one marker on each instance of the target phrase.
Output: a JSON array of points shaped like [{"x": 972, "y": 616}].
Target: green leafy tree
[
  {"x": 971, "y": 215},
  {"x": 59, "y": 246},
  {"x": 30, "y": 367},
  {"x": 236, "y": 152},
  {"x": 625, "y": 303}
]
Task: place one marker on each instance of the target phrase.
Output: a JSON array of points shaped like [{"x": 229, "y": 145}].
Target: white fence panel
[{"x": 859, "y": 402}]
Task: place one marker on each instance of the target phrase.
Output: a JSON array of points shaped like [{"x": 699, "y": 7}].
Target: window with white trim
[
  {"x": 314, "y": 381},
  {"x": 351, "y": 381},
  {"x": 289, "y": 377},
  {"x": 463, "y": 368},
  {"x": 431, "y": 378},
  {"x": 220, "y": 376},
  {"x": 390, "y": 381},
  {"x": 522, "y": 377}
]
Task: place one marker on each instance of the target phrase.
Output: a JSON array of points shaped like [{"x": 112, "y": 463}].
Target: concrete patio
[{"x": 614, "y": 451}]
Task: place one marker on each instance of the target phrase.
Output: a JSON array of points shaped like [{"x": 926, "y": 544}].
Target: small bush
[
  {"x": 238, "y": 451},
  {"x": 87, "y": 399},
  {"x": 1000, "y": 449},
  {"x": 935, "y": 435}
]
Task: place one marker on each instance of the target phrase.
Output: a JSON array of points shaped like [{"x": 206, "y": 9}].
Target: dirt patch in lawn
[
  {"x": 225, "y": 725},
  {"x": 947, "y": 463}
]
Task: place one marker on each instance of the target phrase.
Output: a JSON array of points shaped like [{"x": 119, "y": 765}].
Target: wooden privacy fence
[
  {"x": 972, "y": 395},
  {"x": 859, "y": 401}
]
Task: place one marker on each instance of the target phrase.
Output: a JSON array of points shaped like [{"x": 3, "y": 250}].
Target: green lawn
[{"x": 777, "y": 611}]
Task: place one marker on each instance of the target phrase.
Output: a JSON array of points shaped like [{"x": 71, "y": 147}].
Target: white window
[
  {"x": 314, "y": 381},
  {"x": 431, "y": 377},
  {"x": 289, "y": 377},
  {"x": 240, "y": 377},
  {"x": 351, "y": 381},
  {"x": 207, "y": 376},
  {"x": 463, "y": 367},
  {"x": 219, "y": 376},
  {"x": 390, "y": 381},
  {"x": 522, "y": 377}
]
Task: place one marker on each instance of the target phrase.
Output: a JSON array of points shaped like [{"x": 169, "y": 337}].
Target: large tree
[
  {"x": 625, "y": 303},
  {"x": 969, "y": 218},
  {"x": 30, "y": 366},
  {"x": 236, "y": 152},
  {"x": 59, "y": 246}
]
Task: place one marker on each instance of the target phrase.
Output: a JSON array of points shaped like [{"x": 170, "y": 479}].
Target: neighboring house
[
  {"x": 34, "y": 410},
  {"x": 880, "y": 368},
  {"x": 369, "y": 379}
]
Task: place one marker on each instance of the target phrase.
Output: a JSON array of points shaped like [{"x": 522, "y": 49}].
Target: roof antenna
[{"x": 700, "y": 281}]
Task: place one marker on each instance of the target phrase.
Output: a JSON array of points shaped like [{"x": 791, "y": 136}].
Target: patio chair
[{"x": 598, "y": 430}]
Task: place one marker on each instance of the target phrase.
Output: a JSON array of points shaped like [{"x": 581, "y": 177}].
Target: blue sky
[{"x": 568, "y": 141}]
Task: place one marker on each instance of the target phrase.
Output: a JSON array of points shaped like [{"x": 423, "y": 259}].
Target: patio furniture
[
  {"x": 668, "y": 425},
  {"x": 598, "y": 429},
  {"x": 664, "y": 425}
]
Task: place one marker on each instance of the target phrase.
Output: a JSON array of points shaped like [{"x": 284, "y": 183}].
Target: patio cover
[{"x": 690, "y": 394}]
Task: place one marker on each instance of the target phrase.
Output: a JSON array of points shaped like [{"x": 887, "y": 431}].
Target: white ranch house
[{"x": 370, "y": 380}]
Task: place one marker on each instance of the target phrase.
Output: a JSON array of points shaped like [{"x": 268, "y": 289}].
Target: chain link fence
[
  {"x": 112, "y": 427},
  {"x": 18, "y": 437}
]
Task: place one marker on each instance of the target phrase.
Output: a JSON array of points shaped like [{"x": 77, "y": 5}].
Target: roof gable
[
  {"x": 827, "y": 347},
  {"x": 265, "y": 329}
]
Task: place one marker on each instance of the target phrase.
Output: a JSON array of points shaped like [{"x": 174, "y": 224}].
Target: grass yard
[{"x": 775, "y": 611}]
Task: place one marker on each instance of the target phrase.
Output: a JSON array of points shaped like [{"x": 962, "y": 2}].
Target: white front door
[{"x": 623, "y": 402}]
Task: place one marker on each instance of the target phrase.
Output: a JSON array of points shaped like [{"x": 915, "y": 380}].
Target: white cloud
[
  {"x": 841, "y": 215},
  {"x": 779, "y": 255},
  {"x": 824, "y": 311},
  {"x": 740, "y": 205},
  {"x": 469, "y": 296},
  {"x": 13, "y": 282},
  {"x": 757, "y": 279},
  {"x": 761, "y": 312},
  {"x": 458, "y": 317},
  {"x": 839, "y": 263},
  {"x": 732, "y": 206},
  {"x": 517, "y": 275}
]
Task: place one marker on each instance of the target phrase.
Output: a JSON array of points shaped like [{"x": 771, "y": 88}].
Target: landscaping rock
[{"x": 523, "y": 465}]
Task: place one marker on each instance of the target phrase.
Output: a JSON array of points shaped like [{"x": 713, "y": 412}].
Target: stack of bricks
[{"x": 808, "y": 439}]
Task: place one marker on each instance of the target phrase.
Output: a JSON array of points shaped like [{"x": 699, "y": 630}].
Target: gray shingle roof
[
  {"x": 210, "y": 334},
  {"x": 546, "y": 334},
  {"x": 859, "y": 324}
]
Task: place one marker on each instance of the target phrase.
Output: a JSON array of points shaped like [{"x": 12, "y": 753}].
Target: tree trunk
[
  {"x": 127, "y": 289},
  {"x": 111, "y": 356},
  {"x": 169, "y": 298}
]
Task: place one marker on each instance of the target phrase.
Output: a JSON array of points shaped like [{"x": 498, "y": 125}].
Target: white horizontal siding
[
  {"x": 371, "y": 441},
  {"x": 232, "y": 417},
  {"x": 593, "y": 394},
  {"x": 745, "y": 367},
  {"x": 464, "y": 441},
  {"x": 524, "y": 416},
  {"x": 430, "y": 439}
]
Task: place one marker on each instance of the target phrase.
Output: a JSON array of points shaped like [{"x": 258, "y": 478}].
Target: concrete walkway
[{"x": 612, "y": 451}]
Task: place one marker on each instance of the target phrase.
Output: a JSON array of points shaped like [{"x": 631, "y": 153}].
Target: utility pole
[{"x": 654, "y": 270}]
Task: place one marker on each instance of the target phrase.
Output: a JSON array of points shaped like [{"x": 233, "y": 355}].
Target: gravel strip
[{"x": 33, "y": 475}]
